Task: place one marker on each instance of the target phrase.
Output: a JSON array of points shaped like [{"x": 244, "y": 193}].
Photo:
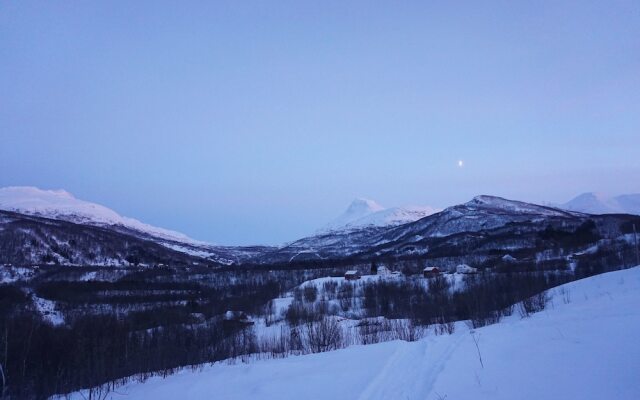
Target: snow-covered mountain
[
  {"x": 483, "y": 226},
  {"x": 486, "y": 212},
  {"x": 598, "y": 203},
  {"x": 363, "y": 213},
  {"x": 481, "y": 214},
  {"x": 62, "y": 205}
]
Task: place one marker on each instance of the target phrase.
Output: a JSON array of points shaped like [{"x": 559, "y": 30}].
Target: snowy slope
[
  {"x": 597, "y": 203},
  {"x": 60, "y": 204},
  {"x": 584, "y": 346},
  {"x": 366, "y": 213}
]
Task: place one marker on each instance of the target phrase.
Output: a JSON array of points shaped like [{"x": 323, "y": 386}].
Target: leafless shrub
[
  {"x": 565, "y": 294},
  {"x": 507, "y": 311},
  {"x": 346, "y": 303},
  {"x": 533, "y": 304},
  {"x": 297, "y": 294},
  {"x": 298, "y": 313},
  {"x": 324, "y": 335},
  {"x": 243, "y": 342},
  {"x": 369, "y": 332},
  {"x": 96, "y": 393},
  {"x": 406, "y": 330},
  {"x": 444, "y": 327},
  {"x": 321, "y": 308},
  {"x": 277, "y": 346},
  {"x": 310, "y": 293},
  {"x": 490, "y": 318},
  {"x": 345, "y": 295},
  {"x": 330, "y": 288},
  {"x": 295, "y": 340}
]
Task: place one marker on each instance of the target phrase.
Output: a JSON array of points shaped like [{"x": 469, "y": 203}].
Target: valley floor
[{"x": 586, "y": 345}]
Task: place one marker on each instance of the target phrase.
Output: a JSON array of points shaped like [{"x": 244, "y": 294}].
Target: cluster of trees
[
  {"x": 481, "y": 298},
  {"x": 150, "y": 321}
]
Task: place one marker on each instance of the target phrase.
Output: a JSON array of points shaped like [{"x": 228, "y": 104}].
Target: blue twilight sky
[{"x": 256, "y": 122}]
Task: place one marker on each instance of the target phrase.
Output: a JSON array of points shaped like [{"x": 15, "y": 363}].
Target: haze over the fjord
[{"x": 259, "y": 123}]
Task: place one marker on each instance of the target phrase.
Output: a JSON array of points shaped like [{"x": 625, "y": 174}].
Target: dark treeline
[
  {"x": 89, "y": 351},
  {"x": 96, "y": 345}
]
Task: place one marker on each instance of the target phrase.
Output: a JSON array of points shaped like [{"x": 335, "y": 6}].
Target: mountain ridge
[
  {"x": 599, "y": 203},
  {"x": 60, "y": 204},
  {"x": 483, "y": 223}
]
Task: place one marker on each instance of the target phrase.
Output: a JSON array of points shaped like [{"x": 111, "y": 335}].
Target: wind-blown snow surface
[
  {"x": 598, "y": 203},
  {"x": 60, "y": 204},
  {"x": 364, "y": 213},
  {"x": 584, "y": 346}
]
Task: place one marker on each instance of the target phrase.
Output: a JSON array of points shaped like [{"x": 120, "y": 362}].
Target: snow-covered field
[{"x": 586, "y": 345}]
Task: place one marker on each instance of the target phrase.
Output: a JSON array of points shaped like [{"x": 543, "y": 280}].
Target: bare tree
[
  {"x": 533, "y": 304},
  {"x": 324, "y": 335}
]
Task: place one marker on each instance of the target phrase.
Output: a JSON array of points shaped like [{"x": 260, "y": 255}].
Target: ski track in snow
[{"x": 411, "y": 371}]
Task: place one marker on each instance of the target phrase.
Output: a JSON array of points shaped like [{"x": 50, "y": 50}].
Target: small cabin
[
  {"x": 430, "y": 272},
  {"x": 352, "y": 275},
  {"x": 236, "y": 318},
  {"x": 465, "y": 269}
]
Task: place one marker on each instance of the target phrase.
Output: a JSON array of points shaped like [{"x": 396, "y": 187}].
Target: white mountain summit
[
  {"x": 364, "y": 212},
  {"x": 62, "y": 205}
]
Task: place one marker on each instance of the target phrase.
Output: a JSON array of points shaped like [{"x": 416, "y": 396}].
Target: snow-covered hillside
[
  {"x": 598, "y": 203},
  {"x": 481, "y": 214},
  {"x": 583, "y": 346},
  {"x": 60, "y": 204},
  {"x": 365, "y": 213}
]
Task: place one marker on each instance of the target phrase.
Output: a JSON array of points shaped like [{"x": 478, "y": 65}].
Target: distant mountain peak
[
  {"x": 600, "y": 203},
  {"x": 361, "y": 205},
  {"x": 364, "y": 212},
  {"x": 502, "y": 205},
  {"x": 488, "y": 199}
]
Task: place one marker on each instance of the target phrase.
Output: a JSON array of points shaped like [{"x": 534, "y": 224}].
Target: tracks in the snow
[{"x": 411, "y": 371}]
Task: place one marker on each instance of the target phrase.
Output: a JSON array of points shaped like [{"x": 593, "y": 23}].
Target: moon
[{"x": 460, "y": 163}]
